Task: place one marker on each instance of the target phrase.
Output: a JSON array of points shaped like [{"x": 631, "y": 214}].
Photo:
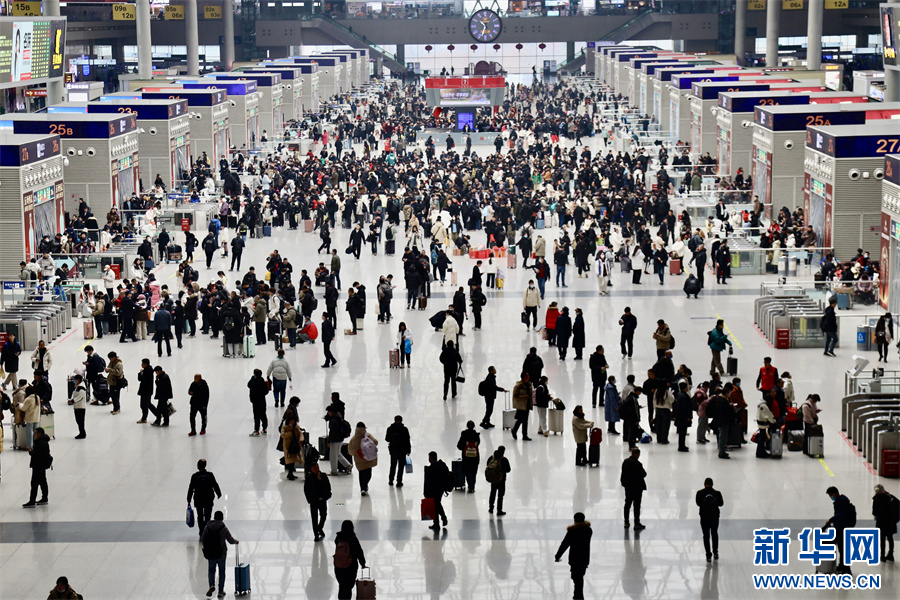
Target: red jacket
[{"x": 552, "y": 314}]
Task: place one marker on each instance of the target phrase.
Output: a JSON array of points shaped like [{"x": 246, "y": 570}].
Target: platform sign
[
  {"x": 13, "y": 285},
  {"x": 791, "y": 4},
  {"x": 756, "y": 5},
  {"x": 215, "y": 12},
  {"x": 836, "y": 4},
  {"x": 124, "y": 12},
  {"x": 174, "y": 13},
  {"x": 26, "y": 9}
]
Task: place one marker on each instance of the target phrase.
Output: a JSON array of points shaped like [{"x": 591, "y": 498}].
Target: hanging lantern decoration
[
  {"x": 428, "y": 48},
  {"x": 497, "y": 47},
  {"x": 451, "y": 47},
  {"x": 542, "y": 46},
  {"x": 519, "y": 47},
  {"x": 474, "y": 47}
]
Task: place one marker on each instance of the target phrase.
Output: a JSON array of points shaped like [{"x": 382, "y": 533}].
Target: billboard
[
  {"x": 889, "y": 35},
  {"x": 464, "y": 97},
  {"x": 31, "y": 50}
]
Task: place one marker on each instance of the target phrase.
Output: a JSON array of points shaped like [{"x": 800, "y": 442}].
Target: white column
[
  {"x": 773, "y": 16},
  {"x": 191, "y": 37},
  {"x": 144, "y": 52},
  {"x": 740, "y": 30},
  {"x": 228, "y": 34},
  {"x": 814, "y": 33}
]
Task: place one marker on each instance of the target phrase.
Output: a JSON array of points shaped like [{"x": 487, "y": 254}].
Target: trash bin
[
  {"x": 783, "y": 265},
  {"x": 792, "y": 266},
  {"x": 863, "y": 338}
]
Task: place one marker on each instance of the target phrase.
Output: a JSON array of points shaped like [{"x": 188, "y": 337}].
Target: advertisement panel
[
  {"x": 31, "y": 50},
  {"x": 464, "y": 97},
  {"x": 889, "y": 35}
]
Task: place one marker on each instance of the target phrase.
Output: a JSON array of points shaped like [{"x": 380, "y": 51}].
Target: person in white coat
[
  {"x": 451, "y": 330},
  {"x": 490, "y": 270},
  {"x": 602, "y": 272},
  {"x": 79, "y": 404},
  {"x": 109, "y": 281}
]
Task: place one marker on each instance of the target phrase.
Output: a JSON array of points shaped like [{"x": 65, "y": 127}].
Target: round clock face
[{"x": 485, "y": 25}]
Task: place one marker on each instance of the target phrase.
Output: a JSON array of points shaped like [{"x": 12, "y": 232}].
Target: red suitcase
[
  {"x": 596, "y": 436},
  {"x": 675, "y": 266},
  {"x": 394, "y": 359}
]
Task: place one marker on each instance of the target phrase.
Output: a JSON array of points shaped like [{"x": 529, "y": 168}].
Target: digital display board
[
  {"x": 892, "y": 169},
  {"x": 746, "y": 104},
  {"x": 31, "y": 50},
  {"x": 463, "y": 119},
  {"x": 464, "y": 97},
  {"x": 861, "y": 145}
]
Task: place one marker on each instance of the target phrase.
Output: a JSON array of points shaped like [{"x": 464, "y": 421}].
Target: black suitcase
[
  {"x": 232, "y": 221},
  {"x": 274, "y": 331},
  {"x": 636, "y": 276},
  {"x": 390, "y": 247},
  {"x": 70, "y": 386},
  {"x": 731, "y": 366},
  {"x": 735, "y": 436},
  {"x": 113, "y": 323},
  {"x": 594, "y": 455},
  {"x": 101, "y": 390},
  {"x": 459, "y": 476}
]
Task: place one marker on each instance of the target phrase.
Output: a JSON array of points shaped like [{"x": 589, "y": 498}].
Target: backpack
[
  {"x": 895, "y": 509},
  {"x": 345, "y": 428},
  {"x": 212, "y": 543},
  {"x": 449, "y": 483},
  {"x": 388, "y": 234},
  {"x": 471, "y": 450},
  {"x": 342, "y": 557},
  {"x": 709, "y": 338},
  {"x": 851, "y": 520},
  {"x": 482, "y": 388},
  {"x": 493, "y": 472},
  {"x": 229, "y": 323},
  {"x": 672, "y": 342},
  {"x": 367, "y": 448},
  {"x": 315, "y": 303}
]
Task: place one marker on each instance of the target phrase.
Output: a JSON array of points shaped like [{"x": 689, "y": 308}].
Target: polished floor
[{"x": 115, "y": 524}]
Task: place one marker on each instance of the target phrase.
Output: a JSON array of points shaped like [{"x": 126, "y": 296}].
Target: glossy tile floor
[{"x": 115, "y": 522}]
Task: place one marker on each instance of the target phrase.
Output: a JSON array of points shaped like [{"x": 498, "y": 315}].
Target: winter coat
[
  {"x": 522, "y": 396},
  {"x": 79, "y": 396},
  {"x": 577, "y": 332},
  {"x": 563, "y": 330},
  {"x": 581, "y": 429},
  {"x": 578, "y": 543},
  {"x": 884, "y": 514},
  {"x": 684, "y": 410},
  {"x": 611, "y": 403},
  {"x": 279, "y": 369},
  {"x": 31, "y": 406},
  {"x": 435, "y": 478},
  {"x": 551, "y": 318},
  {"x": 397, "y": 437},
  {"x": 532, "y": 297},
  {"x": 353, "y": 448},
  {"x": 317, "y": 489},
  {"x": 633, "y": 474},
  {"x": 36, "y": 359},
  {"x": 288, "y": 434},
  {"x": 718, "y": 339}
]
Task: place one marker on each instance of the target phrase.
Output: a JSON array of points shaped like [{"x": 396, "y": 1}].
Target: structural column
[
  {"x": 773, "y": 22},
  {"x": 740, "y": 30},
  {"x": 228, "y": 34},
  {"x": 191, "y": 37},
  {"x": 814, "y": 35},
  {"x": 144, "y": 45},
  {"x": 54, "y": 88},
  {"x": 891, "y": 84}
]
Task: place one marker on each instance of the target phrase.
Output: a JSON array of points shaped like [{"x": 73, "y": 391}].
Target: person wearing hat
[{"x": 885, "y": 520}]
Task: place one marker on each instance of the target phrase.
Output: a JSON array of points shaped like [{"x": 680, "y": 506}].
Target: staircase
[{"x": 345, "y": 36}]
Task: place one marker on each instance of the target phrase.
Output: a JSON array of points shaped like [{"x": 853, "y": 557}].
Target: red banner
[{"x": 465, "y": 82}]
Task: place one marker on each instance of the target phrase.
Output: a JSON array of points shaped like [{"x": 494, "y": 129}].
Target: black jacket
[
  {"x": 199, "y": 393},
  {"x": 163, "y": 387},
  {"x": 563, "y": 329},
  {"x": 436, "y": 476},
  {"x": 633, "y": 474},
  {"x": 577, "y": 331},
  {"x": 629, "y": 323},
  {"x": 317, "y": 489},
  {"x": 202, "y": 488},
  {"x": 40, "y": 453},
  {"x": 451, "y": 360},
  {"x": 709, "y": 500},
  {"x": 490, "y": 388},
  {"x": 598, "y": 366},
  {"x": 578, "y": 543},
  {"x": 327, "y": 332},
  {"x": 259, "y": 389},
  {"x": 829, "y": 320},
  {"x": 397, "y": 437}
]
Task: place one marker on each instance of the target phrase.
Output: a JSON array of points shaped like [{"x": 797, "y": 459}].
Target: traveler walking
[
  {"x": 317, "y": 489},
  {"x": 279, "y": 372},
  {"x": 829, "y": 326},
  {"x": 145, "y": 389},
  {"x": 259, "y": 389},
  {"x": 215, "y": 551},
  {"x": 710, "y": 500},
  {"x": 884, "y": 509},
  {"x": 684, "y": 413},
  {"x": 523, "y": 402},
  {"x": 79, "y": 405},
  {"x": 327, "y": 338},
  {"x": 488, "y": 388},
  {"x": 844, "y": 517},
  {"x": 163, "y": 394},
  {"x": 199, "y": 393},
  {"x": 468, "y": 446},
  {"x": 115, "y": 375},
  {"x": 578, "y": 543},
  {"x": 399, "y": 448},
  {"x": 338, "y": 431},
  {"x": 452, "y": 362},
  {"x": 495, "y": 473},
  {"x": 716, "y": 340},
  {"x": 203, "y": 491},
  {"x": 633, "y": 480},
  {"x": 41, "y": 460},
  {"x": 437, "y": 481},
  {"x": 348, "y": 558},
  {"x": 363, "y": 447}
]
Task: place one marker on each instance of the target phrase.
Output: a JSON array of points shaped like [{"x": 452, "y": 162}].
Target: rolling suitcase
[
  {"x": 241, "y": 575},
  {"x": 776, "y": 444},
  {"x": 459, "y": 476},
  {"x": 20, "y": 437},
  {"x": 795, "y": 441},
  {"x": 365, "y": 585},
  {"x": 511, "y": 260},
  {"x": 394, "y": 359},
  {"x": 453, "y": 278},
  {"x": 509, "y": 414},
  {"x": 88, "y": 329},
  {"x": 267, "y": 231},
  {"x": 731, "y": 366},
  {"x": 259, "y": 231},
  {"x": 48, "y": 424},
  {"x": 555, "y": 420},
  {"x": 308, "y": 225},
  {"x": 735, "y": 437},
  {"x": 594, "y": 447},
  {"x": 101, "y": 391},
  {"x": 390, "y": 247},
  {"x": 273, "y": 331},
  {"x": 249, "y": 346},
  {"x": 815, "y": 443},
  {"x": 675, "y": 266},
  {"x": 423, "y": 302},
  {"x": 625, "y": 264},
  {"x": 539, "y": 224},
  {"x": 70, "y": 386}
]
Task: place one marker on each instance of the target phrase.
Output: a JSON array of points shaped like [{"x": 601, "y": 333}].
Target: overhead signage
[
  {"x": 852, "y": 146},
  {"x": 836, "y": 4},
  {"x": 892, "y": 169},
  {"x": 31, "y": 152},
  {"x": 798, "y": 121},
  {"x": 124, "y": 12},
  {"x": 26, "y": 9},
  {"x": 791, "y": 4},
  {"x": 212, "y": 12},
  {"x": 174, "y": 13},
  {"x": 889, "y": 35},
  {"x": 756, "y": 5},
  {"x": 745, "y": 104}
]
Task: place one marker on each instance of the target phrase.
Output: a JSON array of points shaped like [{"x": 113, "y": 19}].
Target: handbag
[
  {"x": 524, "y": 317},
  {"x": 429, "y": 513},
  {"x": 460, "y": 376},
  {"x": 171, "y": 408},
  {"x": 409, "y": 466},
  {"x": 189, "y": 516},
  {"x": 407, "y": 346}
]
